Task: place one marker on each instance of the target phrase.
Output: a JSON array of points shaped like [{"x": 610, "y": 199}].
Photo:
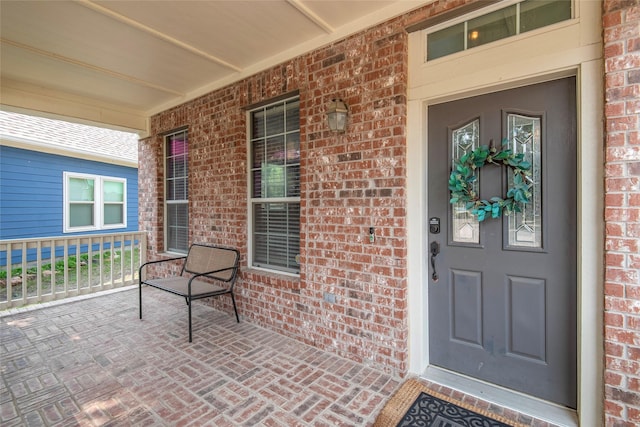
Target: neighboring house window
[
  {"x": 177, "y": 192},
  {"x": 93, "y": 202},
  {"x": 275, "y": 186}
]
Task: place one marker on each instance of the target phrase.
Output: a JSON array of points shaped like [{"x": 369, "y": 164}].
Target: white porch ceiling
[{"x": 118, "y": 62}]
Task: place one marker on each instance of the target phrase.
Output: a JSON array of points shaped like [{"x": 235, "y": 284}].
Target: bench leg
[
  {"x": 190, "y": 336},
  {"x": 233, "y": 300},
  {"x": 140, "y": 298}
]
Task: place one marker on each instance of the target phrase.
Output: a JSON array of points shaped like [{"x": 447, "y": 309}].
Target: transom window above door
[{"x": 508, "y": 21}]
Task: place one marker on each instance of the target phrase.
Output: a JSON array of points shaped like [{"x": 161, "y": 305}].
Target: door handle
[{"x": 435, "y": 250}]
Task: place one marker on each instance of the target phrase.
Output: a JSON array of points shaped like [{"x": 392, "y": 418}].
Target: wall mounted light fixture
[{"x": 337, "y": 115}]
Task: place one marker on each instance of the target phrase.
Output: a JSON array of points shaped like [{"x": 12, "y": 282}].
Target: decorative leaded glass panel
[
  {"x": 466, "y": 228},
  {"x": 525, "y": 228}
]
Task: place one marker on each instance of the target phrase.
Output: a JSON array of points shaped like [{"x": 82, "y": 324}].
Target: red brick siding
[
  {"x": 349, "y": 182},
  {"x": 356, "y": 180},
  {"x": 621, "y": 23},
  {"x": 150, "y": 187}
]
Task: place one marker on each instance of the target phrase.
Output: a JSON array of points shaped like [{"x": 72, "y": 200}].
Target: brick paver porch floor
[{"x": 93, "y": 362}]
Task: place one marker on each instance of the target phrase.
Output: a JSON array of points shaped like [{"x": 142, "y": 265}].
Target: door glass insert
[
  {"x": 466, "y": 228},
  {"x": 525, "y": 228}
]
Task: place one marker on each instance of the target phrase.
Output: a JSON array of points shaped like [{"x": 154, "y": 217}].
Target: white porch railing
[{"x": 50, "y": 268}]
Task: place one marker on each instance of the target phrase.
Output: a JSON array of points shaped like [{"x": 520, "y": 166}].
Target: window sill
[
  {"x": 271, "y": 278},
  {"x": 171, "y": 254}
]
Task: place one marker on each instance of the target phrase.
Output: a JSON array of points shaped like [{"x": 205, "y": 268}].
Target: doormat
[{"x": 415, "y": 405}]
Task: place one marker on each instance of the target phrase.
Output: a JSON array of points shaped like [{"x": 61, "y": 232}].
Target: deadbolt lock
[{"x": 434, "y": 225}]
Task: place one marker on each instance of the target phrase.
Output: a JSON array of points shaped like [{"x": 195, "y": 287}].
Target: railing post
[
  {"x": 34, "y": 289},
  {"x": 143, "y": 254},
  {"x": 9, "y": 268},
  {"x": 24, "y": 273},
  {"x": 52, "y": 262}
]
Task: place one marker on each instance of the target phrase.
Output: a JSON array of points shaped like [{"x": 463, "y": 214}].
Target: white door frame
[{"x": 578, "y": 53}]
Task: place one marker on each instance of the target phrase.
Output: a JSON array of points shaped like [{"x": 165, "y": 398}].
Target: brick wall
[
  {"x": 621, "y": 22},
  {"x": 349, "y": 182},
  {"x": 354, "y": 181}
]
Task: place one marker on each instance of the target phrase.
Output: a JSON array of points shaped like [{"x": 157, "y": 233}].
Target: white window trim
[{"x": 98, "y": 202}]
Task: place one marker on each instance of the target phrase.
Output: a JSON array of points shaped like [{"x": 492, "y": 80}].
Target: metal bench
[{"x": 207, "y": 271}]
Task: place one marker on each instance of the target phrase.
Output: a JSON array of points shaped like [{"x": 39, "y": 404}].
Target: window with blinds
[
  {"x": 275, "y": 186},
  {"x": 176, "y": 193}
]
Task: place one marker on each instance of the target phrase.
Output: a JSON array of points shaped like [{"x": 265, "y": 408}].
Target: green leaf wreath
[{"x": 463, "y": 177}]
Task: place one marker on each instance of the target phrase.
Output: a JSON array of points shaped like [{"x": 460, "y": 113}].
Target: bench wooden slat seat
[{"x": 207, "y": 271}]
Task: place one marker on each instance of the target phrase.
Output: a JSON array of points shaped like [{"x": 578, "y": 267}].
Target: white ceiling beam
[
  {"x": 311, "y": 16},
  {"x": 140, "y": 26},
  {"x": 88, "y": 66},
  {"x": 36, "y": 100}
]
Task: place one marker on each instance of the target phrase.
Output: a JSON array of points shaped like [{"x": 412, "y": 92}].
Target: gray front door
[{"x": 503, "y": 308}]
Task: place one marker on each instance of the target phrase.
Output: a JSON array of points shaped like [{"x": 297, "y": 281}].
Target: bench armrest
[{"x": 156, "y": 262}]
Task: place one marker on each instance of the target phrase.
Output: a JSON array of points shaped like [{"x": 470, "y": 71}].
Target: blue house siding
[{"x": 31, "y": 192}]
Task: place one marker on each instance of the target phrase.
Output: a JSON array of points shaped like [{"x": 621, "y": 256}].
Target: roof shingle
[{"x": 72, "y": 137}]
